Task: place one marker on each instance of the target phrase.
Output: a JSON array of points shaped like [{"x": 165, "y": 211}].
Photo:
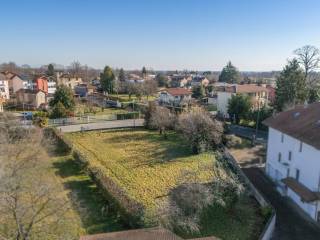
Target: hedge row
[{"x": 131, "y": 211}]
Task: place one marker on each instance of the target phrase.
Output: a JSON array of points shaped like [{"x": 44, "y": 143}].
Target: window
[
  {"x": 288, "y": 172},
  {"x": 282, "y": 137},
  {"x": 297, "y": 174},
  {"x": 300, "y": 148},
  {"x": 290, "y": 156},
  {"x": 279, "y": 157}
]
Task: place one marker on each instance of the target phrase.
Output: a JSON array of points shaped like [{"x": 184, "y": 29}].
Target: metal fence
[{"x": 92, "y": 119}]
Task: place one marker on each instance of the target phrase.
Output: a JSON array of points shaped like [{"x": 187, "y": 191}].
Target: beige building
[
  {"x": 68, "y": 79},
  {"x": 257, "y": 94},
  {"x": 31, "y": 98}
]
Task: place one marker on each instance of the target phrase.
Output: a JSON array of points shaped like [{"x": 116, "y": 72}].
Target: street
[
  {"x": 291, "y": 222},
  {"x": 102, "y": 125}
]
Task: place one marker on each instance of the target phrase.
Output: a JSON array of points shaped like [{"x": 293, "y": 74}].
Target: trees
[
  {"x": 309, "y": 57},
  {"x": 31, "y": 203},
  {"x": 290, "y": 86},
  {"x": 50, "y": 71},
  {"x": 162, "y": 119},
  {"x": 144, "y": 72},
  {"x": 162, "y": 80},
  {"x": 198, "y": 92},
  {"x": 149, "y": 87},
  {"x": 229, "y": 74},
  {"x": 107, "y": 80},
  {"x": 64, "y": 95},
  {"x": 239, "y": 107},
  {"x": 199, "y": 129},
  {"x": 148, "y": 114},
  {"x": 122, "y": 75},
  {"x": 75, "y": 67}
]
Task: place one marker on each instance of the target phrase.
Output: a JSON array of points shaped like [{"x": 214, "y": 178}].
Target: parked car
[{"x": 27, "y": 115}]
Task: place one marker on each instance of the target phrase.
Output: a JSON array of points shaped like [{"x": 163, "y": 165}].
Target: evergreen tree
[
  {"x": 290, "y": 86},
  {"x": 229, "y": 74},
  {"x": 239, "y": 107},
  {"x": 144, "y": 72},
  {"x": 122, "y": 76},
  {"x": 50, "y": 71},
  {"x": 63, "y": 95},
  {"x": 107, "y": 79},
  {"x": 198, "y": 92}
]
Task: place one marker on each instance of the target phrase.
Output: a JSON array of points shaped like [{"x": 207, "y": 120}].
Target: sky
[{"x": 256, "y": 35}]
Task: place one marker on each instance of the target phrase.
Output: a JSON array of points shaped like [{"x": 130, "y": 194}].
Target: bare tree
[
  {"x": 75, "y": 67},
  {"x": 309, "y": 57},
  {"x": 199, "y": 129},
  {"x": 31, "y": 203},
  {"x": 162, "y": 119},
  {"x": 149, "y": 87}
]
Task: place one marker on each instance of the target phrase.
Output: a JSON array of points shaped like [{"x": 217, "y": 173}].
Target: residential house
[
  {"x": 40, "y": 83},
  {"x": 52, "y": 84},
  {"x": 257, "y": 94},
  {"x": 70, "y": 80},
  {"x": 177, "y": 81},
  {"x": 83, "y": 90},
  {"x": 4, "y": 87},
  {"x": 31, "y": 98},
  {"x": 199, "y": 80},
  {"x": 293, "y": 156},
  {"x": 175, "y": 96}
]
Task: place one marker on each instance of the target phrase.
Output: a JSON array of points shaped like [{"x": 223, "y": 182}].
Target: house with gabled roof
[
  {"x": 293, "y": 156},
  {"x": 175, "y": 96},
  {"x": 257, "y": 94}
]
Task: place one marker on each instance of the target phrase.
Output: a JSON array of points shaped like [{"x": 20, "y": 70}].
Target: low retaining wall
[{"x": 270, "y": 225}]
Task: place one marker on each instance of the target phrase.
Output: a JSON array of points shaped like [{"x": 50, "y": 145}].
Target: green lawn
[
  {"x": 88, "y": 203},
  {"x": 146, "y": 166}
]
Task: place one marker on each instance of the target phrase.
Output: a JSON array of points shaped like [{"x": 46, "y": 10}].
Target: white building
[
  {"x": 293, "y": 156},
  {"x": 4, "y": 87},
  {"x": 175, "y": 96},
  {"x": 257, "y": 94},
  {"x": 52, "y": 85}
]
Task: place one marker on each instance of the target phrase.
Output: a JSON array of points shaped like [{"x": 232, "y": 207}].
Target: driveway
[
  {"x": 102, "y": 125},
  {"x": 291, "y": 223},
  {"x": 248, "y": 133}
]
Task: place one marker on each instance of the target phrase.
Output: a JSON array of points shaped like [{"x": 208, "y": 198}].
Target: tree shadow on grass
[{"x": 96, "y": 213}]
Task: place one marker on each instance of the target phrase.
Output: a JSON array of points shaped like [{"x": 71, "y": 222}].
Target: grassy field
[{"x": 147, "y": 166}]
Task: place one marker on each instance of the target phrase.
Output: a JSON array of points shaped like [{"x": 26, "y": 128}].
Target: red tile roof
[
  {"x": 178, "y": 91},
  {"x": 243, "y": 88},
  {"x": 302, "y": 123},
  {"x": 250, "y": 88}
]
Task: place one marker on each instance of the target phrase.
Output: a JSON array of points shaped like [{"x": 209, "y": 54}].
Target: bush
[
  {"x": 40, "y": 118},
  {"x": 231, "y": 140}
]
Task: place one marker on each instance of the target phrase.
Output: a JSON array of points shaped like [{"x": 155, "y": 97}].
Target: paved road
[
  {"x": 247, "y": 132},
  {"x": 102, "y": 125},
  {"x": 291, "y": 223}
]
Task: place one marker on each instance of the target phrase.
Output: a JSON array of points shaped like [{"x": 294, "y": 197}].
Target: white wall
[
  {"x": 222, "y": 102},
  {"x": 307, "y": 161},
  {"x": 4, "y": 89}
]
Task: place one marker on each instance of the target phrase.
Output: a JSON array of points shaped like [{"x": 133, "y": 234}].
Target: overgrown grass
[
  {"x": 143, "y": 163},
  {"x": 146, "y": 166},
  {"x": 243, "y": 222}
]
